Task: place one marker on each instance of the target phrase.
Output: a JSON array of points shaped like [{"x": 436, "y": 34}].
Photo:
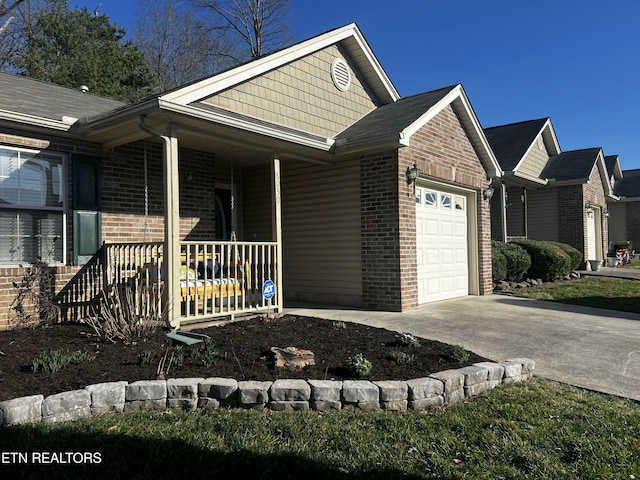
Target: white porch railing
[{"x": 217, "y": 279}]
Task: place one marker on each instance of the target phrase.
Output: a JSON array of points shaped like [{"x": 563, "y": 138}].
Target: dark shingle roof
[
  {"x": 627, "y": 186},
  {"x": 571, "y": 165},
  {"x": 392, "y": 118},
  {"x": 510, "y": 142},
  {"x": 610, "y": 163},
  {"x": 33, "y": 97},
  {"x": 631, "y": 173}
]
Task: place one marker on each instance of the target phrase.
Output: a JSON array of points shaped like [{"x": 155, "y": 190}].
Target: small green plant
[
  {"x": 206, "y": 353},
  {"x": 56, "y": 360},
  {"x": 402, "y": 358},
  {"x": 358, "y": 366},
  {"x": 146, "y": 357},
  {"x": 339, "y": 325},
  {"x": 457, "y": 354},
  {"x": 178, "y": 356},
  {"x": 407, "y": 340}
]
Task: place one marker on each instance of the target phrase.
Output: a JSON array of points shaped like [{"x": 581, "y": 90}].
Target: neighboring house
[
  {"x": 291, "y": 168},
  {"x": 546, "y": 194},
  {"x": 624, "y": 218}
]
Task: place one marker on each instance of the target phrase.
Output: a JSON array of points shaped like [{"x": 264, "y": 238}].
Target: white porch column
[
  {"x": 277, "y": 226},
  {"x": 172, "y": 228},
  {"x": 171, "y": 261}
]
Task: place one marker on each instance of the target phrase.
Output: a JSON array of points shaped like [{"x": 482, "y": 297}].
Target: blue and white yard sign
[{"x": 268, "y": 290}]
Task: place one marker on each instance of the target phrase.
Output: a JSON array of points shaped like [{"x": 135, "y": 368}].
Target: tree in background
[
  {"x": 261, "y": 24},
  {"x": 5, "y": 11},
  {"x": 73, "y": 48},
  {"x": 12, "y": 20},
  {"x": 177, "y": 45}
]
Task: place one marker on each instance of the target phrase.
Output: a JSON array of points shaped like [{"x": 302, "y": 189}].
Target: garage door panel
[{"x": 442, "y": 244}]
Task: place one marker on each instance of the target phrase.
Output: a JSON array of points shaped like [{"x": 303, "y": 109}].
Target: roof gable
[
  {"x": 511, "y": 143},
  {"x": 348, "y": 37},
  {"x": 301, "y": 95},
  {"x": 394, "y": 124},
  {"x": 576, "y": 166},
  {"x": 612, "y": 162},
  {"x": 628, "y": 186}
]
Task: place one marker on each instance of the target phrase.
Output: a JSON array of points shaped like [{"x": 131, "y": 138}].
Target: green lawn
[
  {"x": 602, "y": 292},
  {"x": 537, "y": 430}
]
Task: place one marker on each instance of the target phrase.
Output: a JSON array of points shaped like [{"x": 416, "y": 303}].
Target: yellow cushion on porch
[{"x": 187, "y": 273}]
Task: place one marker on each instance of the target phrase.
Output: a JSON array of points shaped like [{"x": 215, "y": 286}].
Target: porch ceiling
[{"x": 198, "y": 129}]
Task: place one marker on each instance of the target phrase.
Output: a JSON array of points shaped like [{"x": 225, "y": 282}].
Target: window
[
  {"x": 32, "y": 193},
  {"x": 430, "y": 198},
  {"x": 445, "y": 201}
]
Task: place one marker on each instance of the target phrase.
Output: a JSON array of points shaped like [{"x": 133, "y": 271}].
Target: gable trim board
[{"x": 349, "y": 34}]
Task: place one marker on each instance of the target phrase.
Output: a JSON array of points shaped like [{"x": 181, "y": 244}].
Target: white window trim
[{"x": 65, "y": 202}]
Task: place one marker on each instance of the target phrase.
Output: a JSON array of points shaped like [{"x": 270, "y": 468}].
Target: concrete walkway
[{"x": 586, "y": 347}]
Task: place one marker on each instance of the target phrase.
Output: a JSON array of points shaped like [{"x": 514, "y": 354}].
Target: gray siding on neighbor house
[
  {"x": 617, "y": 222},
  {"x": 321, "y": 232},
  {"x": 535, "y": 160},
  {"x": 515, "y": 212},
  {"x": 542, "y": 215}
]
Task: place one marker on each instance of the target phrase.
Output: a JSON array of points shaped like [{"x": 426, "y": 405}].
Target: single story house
[
  {"x": 548, "y": 194},
  {"x": 302, "y": 175}
]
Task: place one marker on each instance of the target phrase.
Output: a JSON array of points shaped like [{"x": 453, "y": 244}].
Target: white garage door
[{"x": 442, "y": 245}]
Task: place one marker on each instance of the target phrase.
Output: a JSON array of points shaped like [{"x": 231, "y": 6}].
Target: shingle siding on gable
[
  {"x": 535, "y": 160},
  {"x": 301, "y": 95}
]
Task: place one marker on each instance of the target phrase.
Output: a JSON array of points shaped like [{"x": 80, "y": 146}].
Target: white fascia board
[
  {"x": 35, "y": 121},
  {"x": 230, "y": 78},
  {"x": 458, "y": 95},
  {"x": 528, "y": 177},
  {"x": 603, "y": 173},
  {"x": 248, "y": 126}
]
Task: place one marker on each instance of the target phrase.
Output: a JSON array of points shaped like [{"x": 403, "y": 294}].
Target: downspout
[
  {"x": 503, "y": 217},
  {"x": 171, "y": 264}
]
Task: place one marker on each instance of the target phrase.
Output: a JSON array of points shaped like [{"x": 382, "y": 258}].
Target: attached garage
[{"x": 443, "y": 243}]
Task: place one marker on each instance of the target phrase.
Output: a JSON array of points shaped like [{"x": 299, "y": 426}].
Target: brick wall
[
  {"x": 123, "y": 207},
  {"x": 62, "y": 275},
  {"x": 380, "y": 231},
  {"x": 572, "y": 214},
  {"x": 442, "y": 150}
]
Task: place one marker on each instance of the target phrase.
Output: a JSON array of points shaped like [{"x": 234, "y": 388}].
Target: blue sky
[{"x": 577, "y": 62}]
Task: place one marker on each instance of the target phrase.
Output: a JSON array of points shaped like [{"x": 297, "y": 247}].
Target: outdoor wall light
[
  {"x": 412, "y": 174},
  {"x": 487, "y": 193},
  {"x": 589, "y": 206}
]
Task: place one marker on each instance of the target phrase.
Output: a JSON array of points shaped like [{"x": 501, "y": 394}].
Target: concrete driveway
[{"x": 586, "y": 347}]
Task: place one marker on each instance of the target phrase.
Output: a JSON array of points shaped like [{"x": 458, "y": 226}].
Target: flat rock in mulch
[{"x": 292, "y": 358}]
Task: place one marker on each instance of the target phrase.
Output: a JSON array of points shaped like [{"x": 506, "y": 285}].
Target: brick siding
[
  {"x": 442, "y": 150},
  {"x": 572, "y": 214}
]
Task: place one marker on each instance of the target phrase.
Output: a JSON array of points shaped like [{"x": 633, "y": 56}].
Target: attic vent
[{"x": 340, "y": 74}]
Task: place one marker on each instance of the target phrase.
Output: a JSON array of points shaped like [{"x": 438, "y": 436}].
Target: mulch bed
[{"x": 242, "y": 352}]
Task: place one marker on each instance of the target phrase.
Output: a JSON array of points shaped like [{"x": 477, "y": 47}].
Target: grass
[
  {"x": 537, "y": 430},
  {"x": 601, "y": 292}
]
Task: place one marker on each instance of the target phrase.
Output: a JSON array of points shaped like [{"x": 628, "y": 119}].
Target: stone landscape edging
[{"x": 438, "y": 389}]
